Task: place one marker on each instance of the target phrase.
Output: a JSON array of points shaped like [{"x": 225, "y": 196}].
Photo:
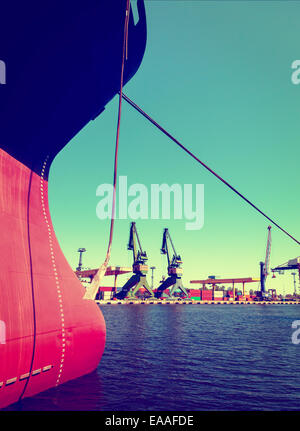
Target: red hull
[{"x": 52, "y": 333}]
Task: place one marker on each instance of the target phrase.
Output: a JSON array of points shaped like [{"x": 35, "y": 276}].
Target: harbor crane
[
  {"x": 292, "y": 264},
  {"x": 174, "y": 270},
  {"x": 139, "y": 268},
  {"x": 264, "y": 266}
]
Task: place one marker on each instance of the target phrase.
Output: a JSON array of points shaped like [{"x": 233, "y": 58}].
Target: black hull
[{"x": 63, "y": 65}]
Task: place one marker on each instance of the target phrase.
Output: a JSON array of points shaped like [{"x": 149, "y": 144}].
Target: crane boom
[
  {"x": 164, "y": 248},
  {"x": 268, "y": 252},
  {"x": 264, "y": 266}
]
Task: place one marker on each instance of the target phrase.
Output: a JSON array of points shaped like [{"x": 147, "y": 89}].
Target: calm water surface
[{"x": 189, "y": 357}]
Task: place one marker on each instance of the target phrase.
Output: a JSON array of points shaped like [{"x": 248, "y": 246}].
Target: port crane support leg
[
  {"x": 178, "y": 286},
  {"x": 165, "y": 284},
  {"x": 142, "y": 283}
]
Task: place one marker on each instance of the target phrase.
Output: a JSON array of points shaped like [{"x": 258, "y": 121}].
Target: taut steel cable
[{"x": 135, "y": 106}]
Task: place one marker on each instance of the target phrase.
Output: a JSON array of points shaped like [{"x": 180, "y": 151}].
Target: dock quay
[{"x": 174, "y": 302}]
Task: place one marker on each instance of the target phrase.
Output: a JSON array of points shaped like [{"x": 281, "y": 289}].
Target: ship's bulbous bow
[{"x": 52, "y": 333}]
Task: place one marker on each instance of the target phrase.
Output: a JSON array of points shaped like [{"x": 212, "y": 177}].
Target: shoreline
[{"x": 153, "y": 302}]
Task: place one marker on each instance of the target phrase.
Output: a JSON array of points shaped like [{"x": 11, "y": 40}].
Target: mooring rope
[
  {"x": 92, "y": 290},
  {"x": 140, "y": 110}
]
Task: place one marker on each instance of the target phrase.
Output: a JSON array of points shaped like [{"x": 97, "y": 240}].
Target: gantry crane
[
  {"x": 264, "y": 266},
  {"x": 292, "y": 264},
  {"x": 139, "y": 268},
  {"x": 174, "y": 270}
]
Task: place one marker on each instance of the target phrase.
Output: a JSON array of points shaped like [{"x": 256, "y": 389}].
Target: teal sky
[{"x": 217, "y": 75}]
